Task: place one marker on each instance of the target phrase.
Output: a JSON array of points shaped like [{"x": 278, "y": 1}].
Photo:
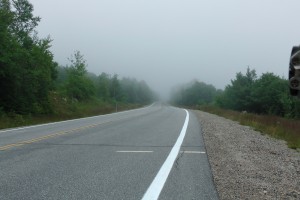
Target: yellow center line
[
  {"x": 9, "y": 146},
  {"x": 30, "y": 141}
]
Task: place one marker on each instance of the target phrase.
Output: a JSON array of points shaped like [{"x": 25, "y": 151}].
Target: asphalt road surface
[{"x": 156, "y": 152}]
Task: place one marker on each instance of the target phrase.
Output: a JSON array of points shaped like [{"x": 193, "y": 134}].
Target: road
[{"x": 156, "y": 152}]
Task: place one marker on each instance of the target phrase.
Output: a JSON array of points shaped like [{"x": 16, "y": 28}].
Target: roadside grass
[
  {"x": 63, "y": 109},
  {"x": 277, "y": 127}
]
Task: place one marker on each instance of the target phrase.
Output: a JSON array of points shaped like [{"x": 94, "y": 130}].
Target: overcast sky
[{"x": 169, "y": 42}]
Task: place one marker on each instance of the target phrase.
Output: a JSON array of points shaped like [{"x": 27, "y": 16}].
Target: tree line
[
  {"x": 29, "y": 74},
  {"x": 76, "y": 83},
  {"x": 267, "y": 94},
  {"x": 194, "y": 93}
]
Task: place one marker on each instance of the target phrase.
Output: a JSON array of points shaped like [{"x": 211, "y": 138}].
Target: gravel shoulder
[{"x": 248, "y": 165}]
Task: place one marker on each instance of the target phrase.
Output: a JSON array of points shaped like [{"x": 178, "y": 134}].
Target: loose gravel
[{"x": 247, "y": 164}]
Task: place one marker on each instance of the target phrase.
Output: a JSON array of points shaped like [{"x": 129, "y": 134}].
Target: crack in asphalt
[{"x": 180, "y": 155}]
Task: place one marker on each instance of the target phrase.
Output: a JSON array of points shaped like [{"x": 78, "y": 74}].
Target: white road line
[
  {"x": 52, "y": 123},
  {"x": 201, "y": 152},
  {"x": 159, "y": 181},
  {"x": 134, "y": 151}
]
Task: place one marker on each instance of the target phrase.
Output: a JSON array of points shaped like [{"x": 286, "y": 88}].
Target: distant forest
[
  {"x": 31, "y": 80},
  {"x": 267, "y": 94},
  {"x": 33, "y": 83}
]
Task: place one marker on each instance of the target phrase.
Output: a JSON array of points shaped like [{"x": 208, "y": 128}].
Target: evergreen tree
[
  {"x": 103, "y": 87},
  {"x": 79, "y": 86},
  {"x": 27, "y": 67}
]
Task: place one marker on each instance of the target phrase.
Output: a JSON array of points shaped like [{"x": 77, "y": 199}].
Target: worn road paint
[
  {"x": 193, "y": 152},
  {"x": 30, "y": 141}
]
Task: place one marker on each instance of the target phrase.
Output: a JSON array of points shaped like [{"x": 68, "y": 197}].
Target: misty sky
[{"x": 169, "y": 42}]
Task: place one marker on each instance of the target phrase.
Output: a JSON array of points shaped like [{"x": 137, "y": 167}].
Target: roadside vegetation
[
  {"x": 64, "y": 110},
  {"x": 277, "y": 127},
  {"x": 36, "y": 89},
  {"x": 261, "y": 102}
]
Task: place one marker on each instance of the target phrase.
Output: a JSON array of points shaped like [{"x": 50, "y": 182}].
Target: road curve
[{"x": 115, "y": 156}]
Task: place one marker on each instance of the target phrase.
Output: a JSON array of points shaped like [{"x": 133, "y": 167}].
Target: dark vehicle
[{"x": 294, "y": 72}]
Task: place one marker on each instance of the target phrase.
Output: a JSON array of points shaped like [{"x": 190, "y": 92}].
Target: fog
[{"x": 169, "y": 42}]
